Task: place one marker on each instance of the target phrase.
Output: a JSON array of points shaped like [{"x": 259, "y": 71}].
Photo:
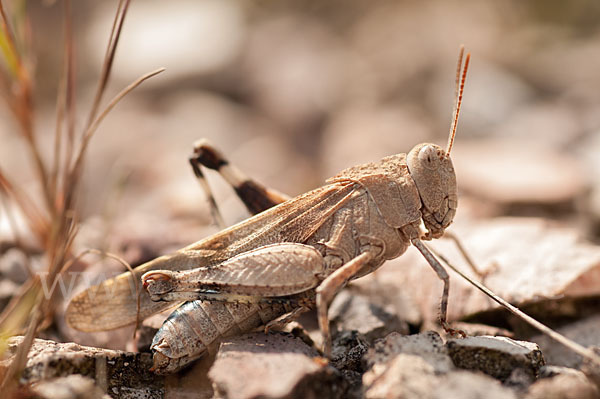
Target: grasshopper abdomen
[{"x": 196, "y": 327}]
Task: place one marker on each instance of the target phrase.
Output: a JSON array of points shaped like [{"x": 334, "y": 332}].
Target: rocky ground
[{"x": 286, "y": 365}]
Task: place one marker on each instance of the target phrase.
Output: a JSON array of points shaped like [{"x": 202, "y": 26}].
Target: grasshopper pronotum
[{"x": 292, "y": 255}]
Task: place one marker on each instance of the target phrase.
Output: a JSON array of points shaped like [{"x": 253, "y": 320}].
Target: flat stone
[
  {"x": 549, "y": 371},
  {"x": 428, "y": 345},
  {"x": 405, "y": 376},
  {"x": 584, "y": 332},
  {"x": 525, "y": 258},
  {"x": 70, "y": 387},
  {"x": 353, "y": 311},
  {"x": 12, "y": 266},
  {"x": 347, "y": 351},
  {"x": 192, "y": 382},
  {"x": 468, "y": 385},
  {"x": 8, "y": 289},
  {"x": 418, "y": 366},
  {"x": 274, "y": 366},
  {"x": 564, "y": 386},
  {"x": 496, "y": 356},
  {"x": 410, "y": 376},
  {"x": 120, "y": 374}
]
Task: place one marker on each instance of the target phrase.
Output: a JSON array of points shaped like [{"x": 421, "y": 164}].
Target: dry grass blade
[
  {"x": 7, "y": 44},
  {"x": 36, "y": 221},
  {"x": 28, "y": 304},
  {"x": 71, "y": 174},
  {"x": 115, "y": 34},
  {"x": 33, "y": 306},
  {"x": 10, "y": 311},
  {"x": 21, "y": 103},
  {"x": 64, "y": 102},
  {"x": 57, "y": 232}
]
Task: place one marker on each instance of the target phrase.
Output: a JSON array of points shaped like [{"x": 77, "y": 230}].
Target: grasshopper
[{"x": 291, "y": 256}]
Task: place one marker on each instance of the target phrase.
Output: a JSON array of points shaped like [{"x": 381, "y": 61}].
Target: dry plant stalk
[
  {"x": 293, "y": 255},
  {"x": 54, "y": 225}
]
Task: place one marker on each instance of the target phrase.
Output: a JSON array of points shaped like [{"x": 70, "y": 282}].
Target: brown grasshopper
[{"x": 293, "y": 255}]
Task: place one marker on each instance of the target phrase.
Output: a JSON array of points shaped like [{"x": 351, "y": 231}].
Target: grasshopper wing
[{"x": 112, "y": 304}]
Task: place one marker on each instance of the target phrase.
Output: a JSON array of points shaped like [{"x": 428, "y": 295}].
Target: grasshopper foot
[
  {"x": 454, "y": 332},
  {"x": 281, "y": 322}
]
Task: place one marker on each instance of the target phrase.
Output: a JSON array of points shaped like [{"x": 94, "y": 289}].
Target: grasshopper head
[{"x": 431, "y": 169}]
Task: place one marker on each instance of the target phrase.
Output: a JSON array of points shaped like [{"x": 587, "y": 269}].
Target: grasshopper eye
[{"x": 429, "y": 157}]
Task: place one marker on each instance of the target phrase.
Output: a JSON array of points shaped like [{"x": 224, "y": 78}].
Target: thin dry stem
[
  {"x": 21, "y": 104},
  {"x": 58, "y": 233},
  {"x": 109, "y": 56},
  {"x": 64, "y": 104},
  {"x": 15, "y": 301},
  {"x": 70, "y": 75},
  {"x": 62, "y": 248},
  {"x": 36, "y": 221},
  {"x": 58, "y": 132},
  {"x": 20, "y": 358}
]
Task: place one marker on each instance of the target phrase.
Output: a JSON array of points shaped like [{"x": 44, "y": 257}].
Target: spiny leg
[
  {"x": 443, "y": 275},
  {"x": 329, "y": 287},
  {"x": 254, "y": 195}
]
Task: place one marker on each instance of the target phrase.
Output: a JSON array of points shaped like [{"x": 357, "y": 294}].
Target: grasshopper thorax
[{"x": 431, "y": 169}]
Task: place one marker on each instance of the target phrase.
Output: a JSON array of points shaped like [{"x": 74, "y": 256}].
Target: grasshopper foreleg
[{"x": 443, "y": 275}]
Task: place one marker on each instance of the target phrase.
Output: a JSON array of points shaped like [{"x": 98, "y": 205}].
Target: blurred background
[{"x": 293, "y": 92}]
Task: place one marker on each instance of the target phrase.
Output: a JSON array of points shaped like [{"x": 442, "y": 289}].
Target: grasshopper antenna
[{"x": 458, "y": 93}]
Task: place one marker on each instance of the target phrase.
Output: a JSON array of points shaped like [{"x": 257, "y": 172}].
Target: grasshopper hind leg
[
  {"x": 255, "y": 196},
  {"x": 330, "y": 287}
]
